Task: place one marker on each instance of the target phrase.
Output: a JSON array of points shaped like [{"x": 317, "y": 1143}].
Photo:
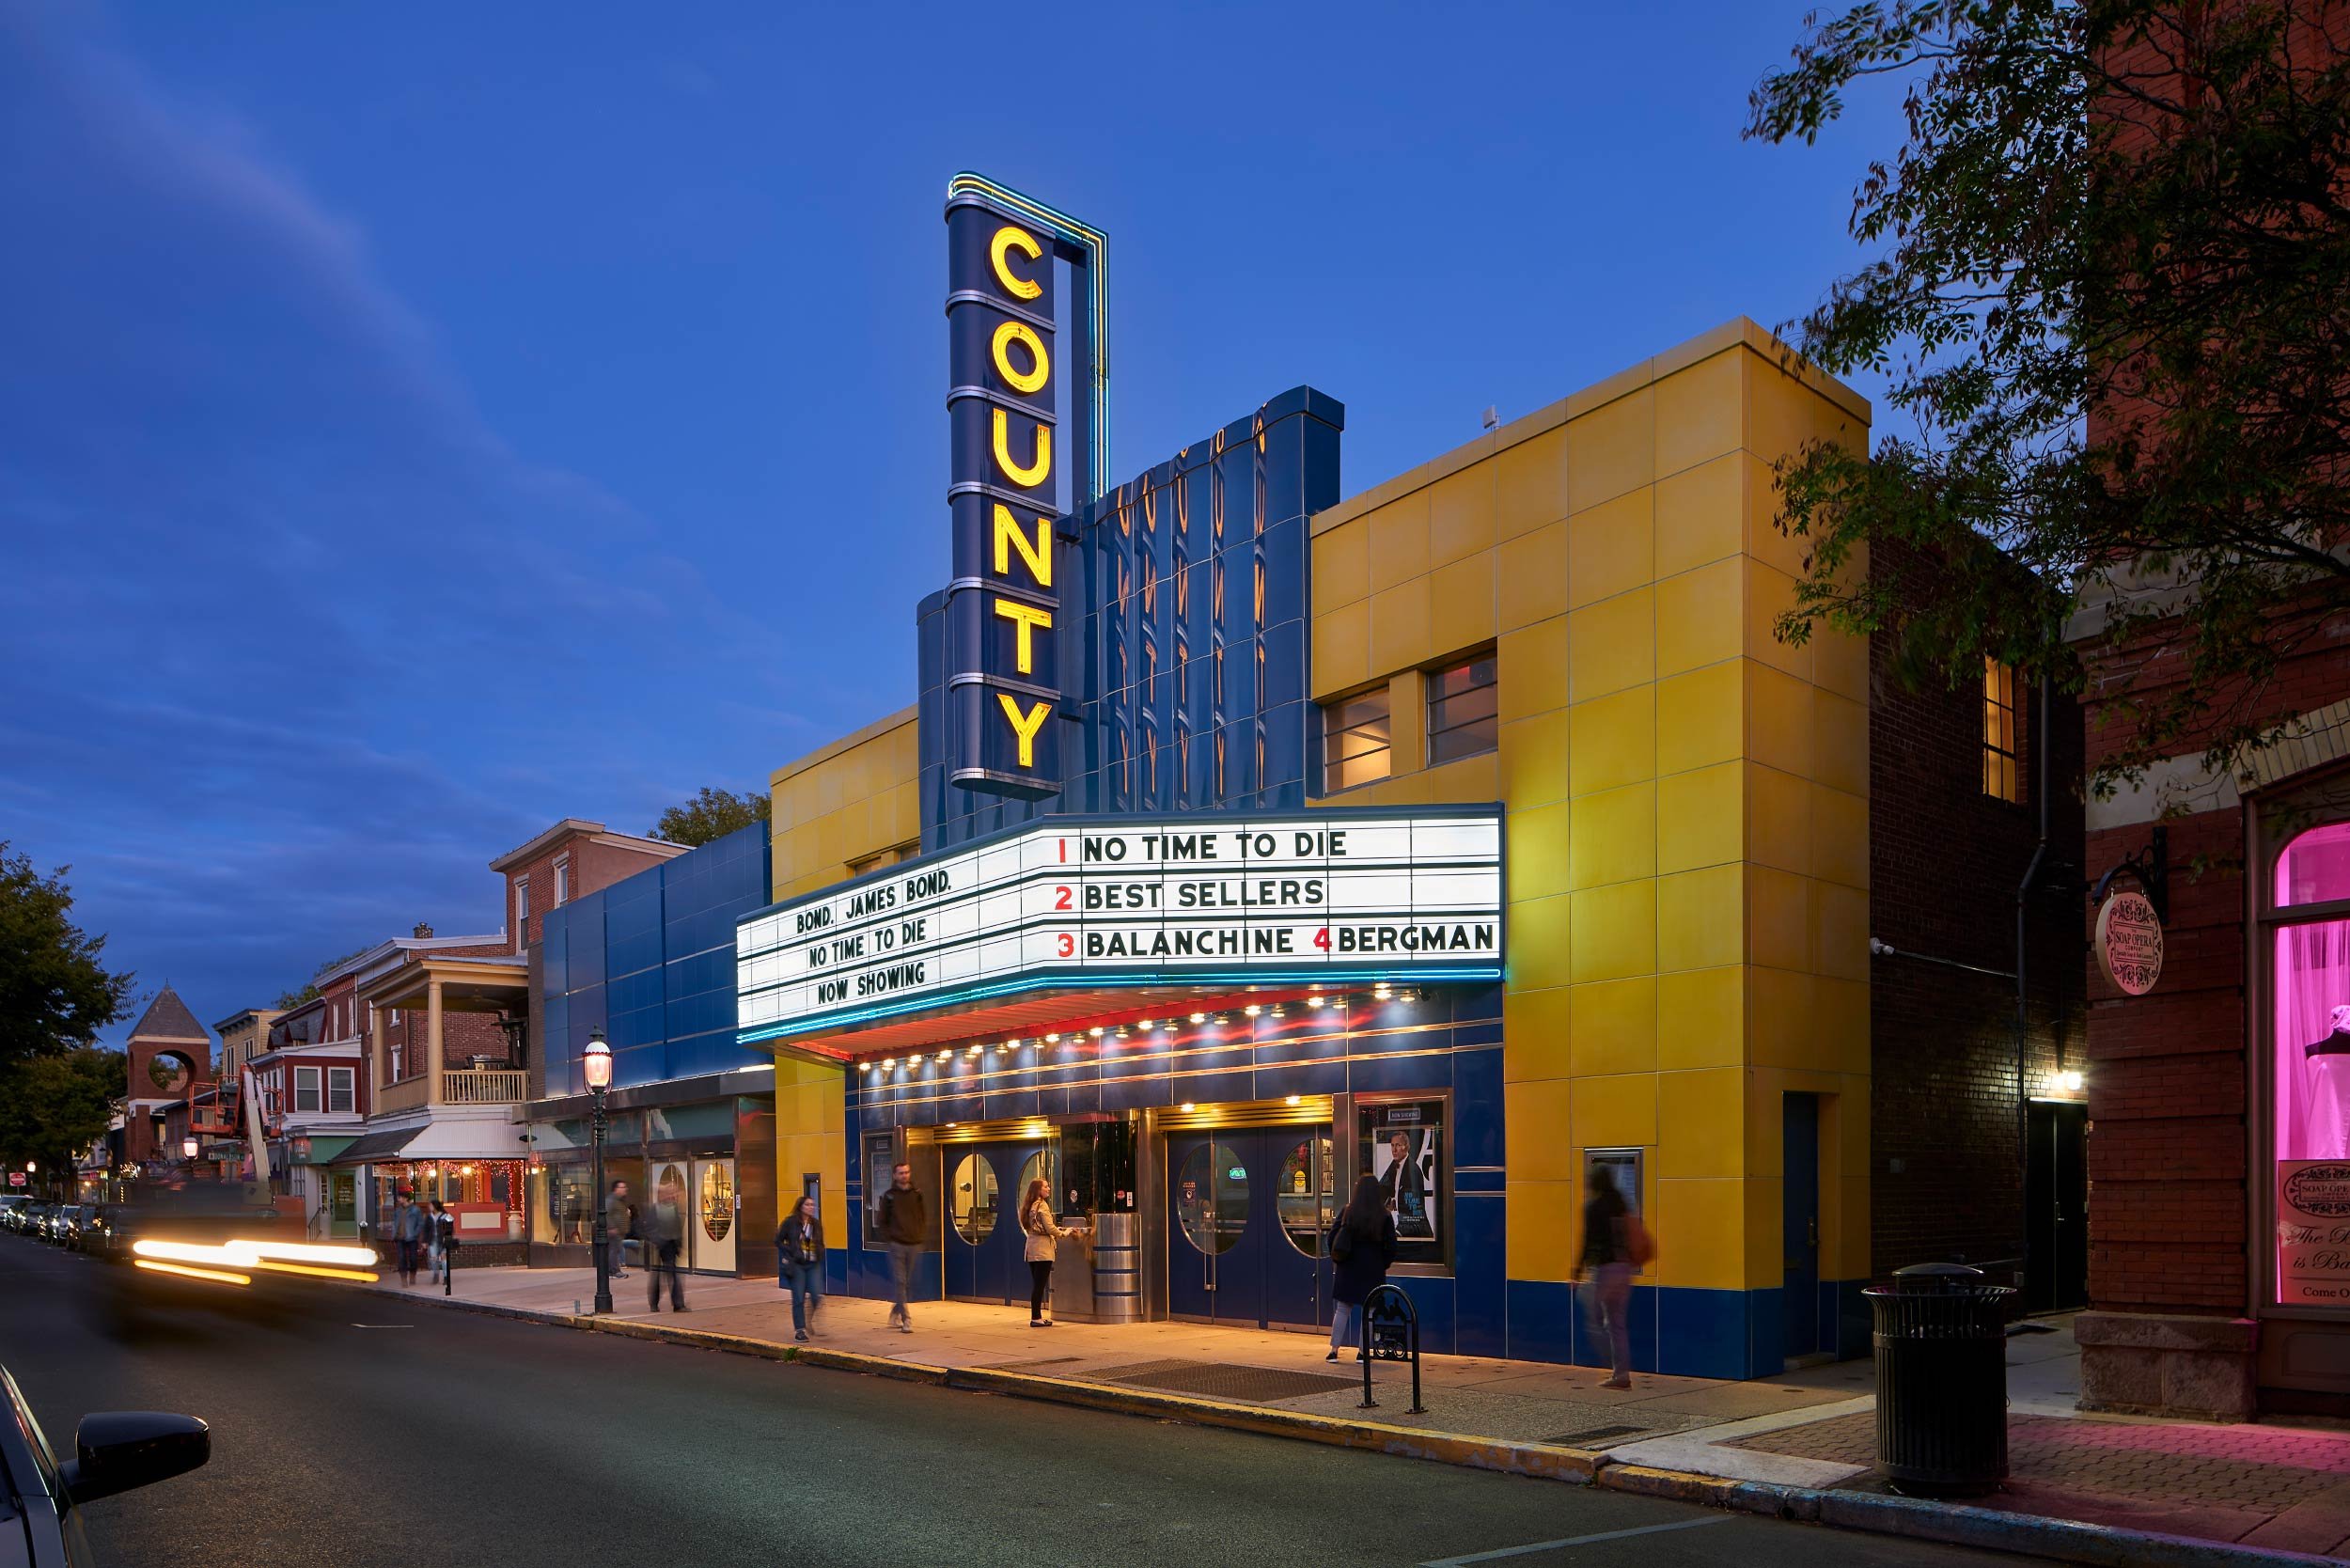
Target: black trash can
[{"x": 1941, "y": 1344}]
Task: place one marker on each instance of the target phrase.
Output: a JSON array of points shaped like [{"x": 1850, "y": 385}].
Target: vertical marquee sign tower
[{"x": 1018, "y": 447}]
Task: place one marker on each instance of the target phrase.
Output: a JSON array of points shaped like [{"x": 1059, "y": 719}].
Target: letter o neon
[
  {"x": 1019, "y": 332},
  {"x": 1009, "y": 238}
]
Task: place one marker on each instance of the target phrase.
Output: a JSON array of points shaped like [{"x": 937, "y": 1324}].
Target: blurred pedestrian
[
  {"x": 1362, "y": 1246},
  {"x": 407, "y": 1234},
  {"x": 1614, "y": 1243},
  {"x": 904, "y": 1226},
  {"x": 662, "y": 1227},
  {"x": 439, "y": 1225},
  {"x": 800, "y": 1264},
  {"x": 1043, "y": 1233},
  {"x": 619, "y": 1221}
]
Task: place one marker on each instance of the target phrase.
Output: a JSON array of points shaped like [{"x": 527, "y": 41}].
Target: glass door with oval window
[
  {"x": 986, "y": 1255},
  {"x": 714, "y": 1215},
  {"x": 1250, "y": 1209}
]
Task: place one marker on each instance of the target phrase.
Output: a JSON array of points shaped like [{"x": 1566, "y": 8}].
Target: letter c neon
[
  {"x": 1009, "y": 238},
  {"x": 1020, "y": 333}
]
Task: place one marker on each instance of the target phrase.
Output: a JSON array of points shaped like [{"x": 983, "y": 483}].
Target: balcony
[{"x": 485, "y": 1085}]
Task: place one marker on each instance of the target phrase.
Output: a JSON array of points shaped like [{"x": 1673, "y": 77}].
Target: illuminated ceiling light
[
  {"x": 1121, "y": 1031},
  {"x": 888, "y": 1063},
  {"x": 1279, "y": 1011},
  {"x": 1252, "y": 1009},
  {"x": 1052, "y": 1040},
  {"x": 1186, "y": 1105},
  {"x": 1289, "y": 1098},
  {"x": 865, "y": 1067},
  {"x": 1097, "y": 1031},
  {"x": 1144, "y": 1024},
  {"x": 1315, "y": 1001},
  {"x": 944, "y": 1055},
  {"x": 1199, "y": 1017}
]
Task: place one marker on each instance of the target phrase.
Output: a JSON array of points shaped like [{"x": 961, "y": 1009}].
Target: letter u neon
[{"x": 1037, "y": 470}]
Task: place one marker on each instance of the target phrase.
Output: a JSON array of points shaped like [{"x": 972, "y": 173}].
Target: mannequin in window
[{"x": 2325, "y": 1092}]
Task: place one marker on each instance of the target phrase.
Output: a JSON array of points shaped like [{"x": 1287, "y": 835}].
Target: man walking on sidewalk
[
  {"x": 663, "y": 1230},
  {"x": 904, "y": 1227},
  {"x": 615, "y": 1225},
  {"x": 407, "y": 1234}
]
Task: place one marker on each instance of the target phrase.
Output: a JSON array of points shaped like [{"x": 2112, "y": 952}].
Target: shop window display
[{"x": 2310, "y": 1038}]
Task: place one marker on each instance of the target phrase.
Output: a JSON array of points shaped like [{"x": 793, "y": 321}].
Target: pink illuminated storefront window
[{"x": 2309, "y": 984}]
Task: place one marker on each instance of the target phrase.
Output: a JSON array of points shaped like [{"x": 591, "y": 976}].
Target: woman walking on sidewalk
[
  {"x": 1615, "y": 1244},
  {"x": 1036, "y": 1218},
  {"x": 800, "y": 1264},
  {"x": 1362, "y": 1245}
]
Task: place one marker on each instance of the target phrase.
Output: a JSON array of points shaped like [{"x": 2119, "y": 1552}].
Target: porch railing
[{"x": 480, "y": 1086}]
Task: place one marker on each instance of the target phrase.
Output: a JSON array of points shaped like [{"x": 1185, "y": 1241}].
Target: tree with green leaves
[
  {"x": 56, "y": 991},
  {"x": 711, "y": 814},
  {"x": 2111, "y": 301},
  {"x": 54, "y": 1107}
]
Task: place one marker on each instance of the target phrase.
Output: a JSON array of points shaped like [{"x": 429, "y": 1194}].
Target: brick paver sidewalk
[{"x": 2287, "y": 1488}]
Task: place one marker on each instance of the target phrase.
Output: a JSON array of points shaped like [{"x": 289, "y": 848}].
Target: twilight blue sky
[{"x": 418, "y": 424}]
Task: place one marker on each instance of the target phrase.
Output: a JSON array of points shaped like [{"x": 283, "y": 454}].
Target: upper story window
[
  {"x": 341, "y": 1089},
  {"x": 562, "y": 881},
  {"x": 1463, "y": 709},
  {"x": 305, "y": 1089},
  {"x": 1356, "y": 740},
  {"x": 2002, "y": 734},
  {"x": 521, "y": 910}
]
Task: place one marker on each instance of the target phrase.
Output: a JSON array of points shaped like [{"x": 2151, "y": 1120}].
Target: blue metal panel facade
[
  {"x": 1185, "y": 665},
  {"x": 650, "y": 962}
]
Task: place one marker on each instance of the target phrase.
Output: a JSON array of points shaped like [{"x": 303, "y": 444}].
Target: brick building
[
  {"x": 1977, "y": 1147},
  {"x": 169, "y": 1052}
]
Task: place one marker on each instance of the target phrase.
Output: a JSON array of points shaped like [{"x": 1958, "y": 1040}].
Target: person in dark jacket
[
  {"x": 662, "y": 1226},
  {"x": 1362, "y": 1246},
  {"x": 800, "y": 1264},
  {"x": 1606, "y": 1260},
  {"x": 904, "y": 1226}
]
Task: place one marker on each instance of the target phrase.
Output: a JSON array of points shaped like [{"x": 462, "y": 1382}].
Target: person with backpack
[
  {"x": 1362, "y": 1246},
  {"x": 1615, "y": 1247},
  {"x": 800, "y": 1264}
]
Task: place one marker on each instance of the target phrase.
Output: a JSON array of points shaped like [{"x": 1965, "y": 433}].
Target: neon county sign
[
  {"x": 1007, "y": 458},
  {"x": 1099, "y": 903}
]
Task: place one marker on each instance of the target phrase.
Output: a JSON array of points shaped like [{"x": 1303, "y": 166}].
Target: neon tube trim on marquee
[{"x": 1101, "y": 903}]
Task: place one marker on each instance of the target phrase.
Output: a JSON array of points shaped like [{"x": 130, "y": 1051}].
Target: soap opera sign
[
  {"x": 1088, "y": 901},
  {"x": 1003, "y": 605}
]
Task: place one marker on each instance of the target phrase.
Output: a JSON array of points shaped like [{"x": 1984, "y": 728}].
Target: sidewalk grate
[
  {"x": 1598, "y": 1435},
  {"x": 1223, "y": 1380}
]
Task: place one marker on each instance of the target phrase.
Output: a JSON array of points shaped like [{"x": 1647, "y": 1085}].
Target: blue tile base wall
[{"x": 1677, "y": 1331}]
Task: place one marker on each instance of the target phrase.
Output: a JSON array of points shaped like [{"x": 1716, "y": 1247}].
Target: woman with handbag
[
  {"x": 1036, "y": 1220},
  {"x": 800, "y": 1264},
  {"x": 1362, "y": 1246}
]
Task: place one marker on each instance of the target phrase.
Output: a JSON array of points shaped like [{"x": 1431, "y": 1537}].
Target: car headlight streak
[{"x": 318, "y": 1258}]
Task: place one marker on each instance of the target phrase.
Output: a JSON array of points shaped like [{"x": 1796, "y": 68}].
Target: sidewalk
[{"x": 2283, "y": 1488}]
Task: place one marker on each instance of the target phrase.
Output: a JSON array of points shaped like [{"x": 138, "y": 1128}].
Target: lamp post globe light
[{"x": 596, "y": 1064}]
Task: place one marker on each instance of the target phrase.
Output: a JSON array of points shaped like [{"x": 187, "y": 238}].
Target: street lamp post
[{"x": 597, "y": 1063}]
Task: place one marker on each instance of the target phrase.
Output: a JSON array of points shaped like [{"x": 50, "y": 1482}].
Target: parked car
[
  {"x": 33, "y": 1219},
  {"x": 42, "y": 1499},
  {"x": 81, "y": 1223},
  {"x": 53, "y": 1224}
]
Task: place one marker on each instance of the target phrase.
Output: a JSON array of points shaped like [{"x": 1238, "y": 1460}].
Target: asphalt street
[{"x": 370, "y": 1431}]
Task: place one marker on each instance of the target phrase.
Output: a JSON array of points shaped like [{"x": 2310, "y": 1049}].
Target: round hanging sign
[{"x": 2129, "y": 943}]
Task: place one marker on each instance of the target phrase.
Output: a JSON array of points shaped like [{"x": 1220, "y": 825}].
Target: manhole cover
[
  {"x": 1596, "y": 1435},
  {"x": 1218, "y": 1380}
]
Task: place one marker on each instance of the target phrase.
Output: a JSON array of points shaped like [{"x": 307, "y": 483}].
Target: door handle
[{"x": 1815, "y": 1231}]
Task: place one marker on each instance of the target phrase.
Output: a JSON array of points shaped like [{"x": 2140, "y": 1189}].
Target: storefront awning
[{"x": 371, "y": 1147}]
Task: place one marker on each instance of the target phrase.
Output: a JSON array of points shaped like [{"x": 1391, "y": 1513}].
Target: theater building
[{"x": 1470, "y": 832}]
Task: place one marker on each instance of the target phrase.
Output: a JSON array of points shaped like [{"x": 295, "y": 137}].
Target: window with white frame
[
  {"x": 341, "y": 1089},
  {"x": 562, "y": 881},
  {"x": 521, "y": 910},
  {"x": 305, "y": 1089}
]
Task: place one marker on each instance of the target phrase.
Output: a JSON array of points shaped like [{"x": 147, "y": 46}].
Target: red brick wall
[
  {"x": 1944, "y": 863},
  {"x": 594, "y": 866}
]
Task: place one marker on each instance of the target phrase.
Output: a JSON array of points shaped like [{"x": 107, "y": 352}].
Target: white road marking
[{"x": 1571, "y": 1541}]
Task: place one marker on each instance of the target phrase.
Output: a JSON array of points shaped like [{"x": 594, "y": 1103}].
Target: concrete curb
[{"x": 1915, "y": 1518}]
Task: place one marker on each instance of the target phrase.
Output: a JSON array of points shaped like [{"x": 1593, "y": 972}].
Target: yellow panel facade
[{"x": 1685, "y": 795}]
